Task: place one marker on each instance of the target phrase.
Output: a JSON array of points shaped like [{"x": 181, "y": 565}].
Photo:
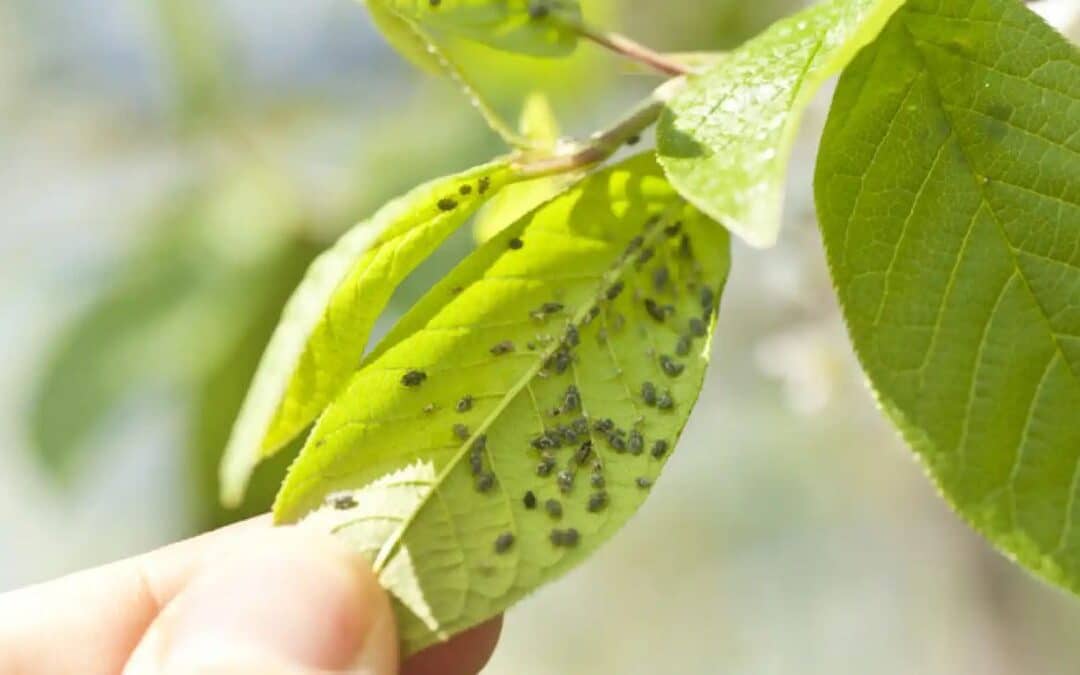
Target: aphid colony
[{"x": 581, "y": 433}]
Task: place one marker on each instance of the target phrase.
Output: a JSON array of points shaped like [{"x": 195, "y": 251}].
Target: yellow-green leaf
[
  {"x": 557, "y": 363},
  {"x": 325, "y": 325}
]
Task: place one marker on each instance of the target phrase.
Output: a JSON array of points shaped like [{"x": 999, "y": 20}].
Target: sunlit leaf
[
  {"x": 525, "y": 26},
  {"x": 325, "y": 326},
  {"x": 406, "y": 38},
  {"x": 724, "y": 141},
  {"x": 557, "y": 364},
  {"x": 948, "y": 187}
]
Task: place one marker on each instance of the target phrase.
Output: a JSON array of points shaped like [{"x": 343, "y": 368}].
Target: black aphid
[
  {"x": 447, "y": 204},
  {"x": 635, "y": 443},
  {"x": 476, "y": 463},
  {"x": 660, "y": 278},
  {"x": 659, "y": 448},
  {"x": 707, "y": 298},
  {"x": 560, "y": 361},
  {"x": 648, "y": 393},
  {"x": 665, "y": 402},
  {"x": 503, "y": 542},
  {"x": 643, "y": 482},
  {"x": 670, "y": 366},
  {"x": 413, "y": 378},
  {"x": 573, "y": 338},
  {"x": 580, "y": 426},
  {"x": 479, "y": 443},
  {"x": 545, "y": 441},
  {"x": 483, "y": 184},
  {"x": 633, "y": 140},
  {"x": 567, "y": 538},
  {"x": 597, "y": 480},
  {"x": 530, "y": 500},
  {"x": 673, "y": 229},
  {"x": 464, "y": 404},
  {"x": 461, "y": 431},
  {"x": 565, "y": 479},
  {"x": 465, "y": 190},
  {"x": 581, "y": 455},
  {"x": 604, "y": 425},
  {"x": 655, "y": 311},
  {"x": 516, "y": 243},
  {"x": 553, "y": 508},
  {"x": 485, "y": 482},
  {"x": 504, "y": 347},
  {"x": 531, "y": 346},
  {"x": 645, "y": 256},
  {"x": 572, "y": 399},
  {"x": 343, "y": 502},
  {"x": 597, "y": 501},
  {"x": 617, "y": 442},
  {"x": 434, "y": 3},
  {"x": 545, "y": 467},
  {"x": 635, "y": 244},
  {"x": 538, "y": 10},
  {"x": 685, "y": 249},
  {"x": 615, "y": 289},
  {"x": 697, "y": 327},
  {"x": 568, "y": 435},
  {"x": 551, "y": 307},
  {"x": 682, "y": 347}
]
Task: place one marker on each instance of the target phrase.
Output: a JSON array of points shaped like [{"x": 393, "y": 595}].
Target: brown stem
[{"x": 620, "y": 44}]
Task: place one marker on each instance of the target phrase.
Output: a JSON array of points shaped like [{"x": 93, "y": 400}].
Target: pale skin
[{"x": 248, "y": 598}]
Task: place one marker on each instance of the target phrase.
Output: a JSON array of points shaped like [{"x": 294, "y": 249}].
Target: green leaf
[
  {"x": 509, "y": 25},
  {"x": 324, "y": 328},
  {"x": 724, "y": 140},
  {"x": 635, "y": 275},
  {"x": 948, "y": 188},
  {"x": 406, "y": 38}
]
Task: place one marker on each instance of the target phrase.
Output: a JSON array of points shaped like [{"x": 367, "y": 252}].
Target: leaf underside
[
  {"x": 724, "y": 141},
  {"x": 948, "y": 188},
  {"x": 325, "y": 326},
  {"x": 507, "y": 25},
  {"x": 609, "y": 286}
]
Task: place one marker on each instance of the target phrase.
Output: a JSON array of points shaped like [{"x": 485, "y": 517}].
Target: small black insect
[
  {"x": 597, "y": 501},
  {"x": 655, "y": 311},
  {"x": 568, "y": 435},
  {"x": 636, "y": 443},
  {"x": 707, "y": 297},
  {"x": 633, "y": 140},
  {"x": 461, "y": 431},
  {"x": 660, "y": 278},
  {"x": 476, "y": 463},
  {"x": 580, "y": 426},
  {"x": 615, "y": 289},
  {"x": 485, "y": 482},
  {"x": 648, "y": 393},
  {"x": 483, "y": 184},
  {"x": 551, "y": 307},
  {"x": 685, "y": 248},
  {"x": 645, "y": 256},
  {"x": 682, "y": 347},
  {"x": 343, "y": 502},
  {"x": 434, "y": 3},
  {"x": 464, "y": 404},
  {"x": 465, "y": 190},
  {"x": 597, "y": 480},
  {"x": 659, "y": 448},
  {"x": 538, "y": 10},
  {"x": 670, "y": 366},
  {"x": 504, "y": 347},
  {"x": 665, "y": 402},
  {"x": 479, "y": 443},
  {"x": 413, "y": 378},
  {"x": 673, "y": 229},
  {"x": 503, "y": 542},
  {"x": 581, "y": 455},
  {"x": 545, "y": 467},
  {"x": 545, "y": 441},
  {"x": 617, "y": 442},
  {"x": 572, "y": 399},
  {"x": 553, "y": 508},
  {"x": 570, "y": 537},
  {"x": 516, "y": 243},
  {"x": 643, "y": 482},
  {"x": 604, "y": 425},
  {"x": 635, "y": 244},
  {"x": 560, "y": 361},
  {"x": 573, "y": 338},
  {"x": 697, "y": 327},
  {"x": 530, "y": 500},
  {"x": 447, "y": 204},
  {"x": 565, "y": 479}
]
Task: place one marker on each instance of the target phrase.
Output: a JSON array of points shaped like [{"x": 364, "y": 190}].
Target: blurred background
[{"x": 169, "y": 167}]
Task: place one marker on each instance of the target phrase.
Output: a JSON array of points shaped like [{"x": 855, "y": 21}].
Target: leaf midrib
[{"x": 392, "y": 544}]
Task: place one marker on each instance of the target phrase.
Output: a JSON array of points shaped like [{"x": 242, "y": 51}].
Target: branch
[{"x": 620, "y": 44}]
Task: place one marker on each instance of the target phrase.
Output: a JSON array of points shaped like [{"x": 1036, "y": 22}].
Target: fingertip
[
  {"x": 464, "y": 654},
  {"x": 295, "y": 598}
]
